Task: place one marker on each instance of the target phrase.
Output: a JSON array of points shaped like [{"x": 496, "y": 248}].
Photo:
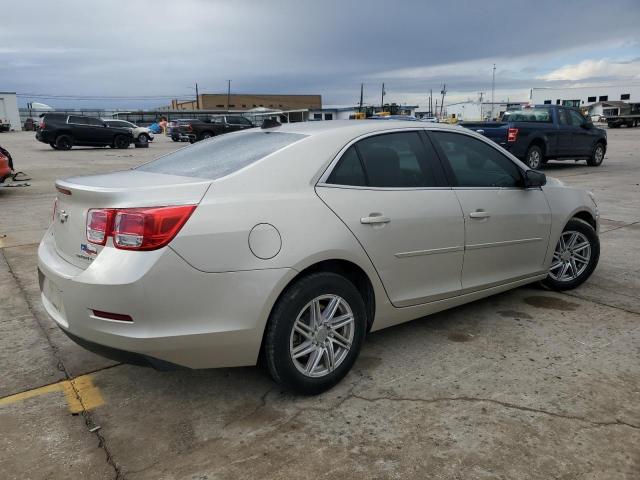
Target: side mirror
[
  {"x": 534, "y": 179},
  {"x": 588, "y": 124}
]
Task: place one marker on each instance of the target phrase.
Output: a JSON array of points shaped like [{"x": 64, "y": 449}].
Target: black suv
[{"x": 63, "y": 131}]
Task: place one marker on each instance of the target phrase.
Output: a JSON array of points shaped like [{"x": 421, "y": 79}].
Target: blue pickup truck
[{"x": 543, "y": 132}]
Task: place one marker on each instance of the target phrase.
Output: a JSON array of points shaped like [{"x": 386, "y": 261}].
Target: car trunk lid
[{"x": 126, "y": 189}]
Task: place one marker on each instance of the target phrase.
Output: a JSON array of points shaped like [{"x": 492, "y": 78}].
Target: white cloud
[{"x": 622, "y": 70}]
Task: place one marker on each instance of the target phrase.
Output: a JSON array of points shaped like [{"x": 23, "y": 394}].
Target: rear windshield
[
  {"x": 528, "y": 115},
  {"x": 221, "y": 156}
]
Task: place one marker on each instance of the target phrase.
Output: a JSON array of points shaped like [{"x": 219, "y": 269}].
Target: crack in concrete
[
  {"x": 88, "y": 419},
  {"x": 602, "y": 304},
  {"x": 514, "y": 406},
  {"x": 262, "y": 404},
  {"x": 618, "y": 227}
]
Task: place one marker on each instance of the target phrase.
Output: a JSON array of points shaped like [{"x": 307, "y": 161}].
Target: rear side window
[
  {"x": 221, "y": 156},
  {"x": 391, "y": 160},
  {"x": 94, "y": 121},
  {"x": 78, "y": 120},
  {"x": 540, "y": 115},
  {"x": 475, "y": 163}
]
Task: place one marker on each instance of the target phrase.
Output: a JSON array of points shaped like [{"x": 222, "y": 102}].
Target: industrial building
[
  {"x": 473, "y": 110},
  {"x": 243, "y": 102},
  {"x": 591, "y": 98},
  {"x": 9, "y": 116}
]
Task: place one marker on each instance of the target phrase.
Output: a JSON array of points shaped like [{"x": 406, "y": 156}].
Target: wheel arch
[
  {"x": 539, "y": 142},
  {"x": 585, "y": 216}
]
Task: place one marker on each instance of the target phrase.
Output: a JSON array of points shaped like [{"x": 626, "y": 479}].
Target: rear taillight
[
  {"x": 189, "y": 127},
  {"x": 99, "y": 222},
  {"x": 137, "y": 228},
  {"x": 42, "y": 125},
  {"x": 512, "y": 135}
]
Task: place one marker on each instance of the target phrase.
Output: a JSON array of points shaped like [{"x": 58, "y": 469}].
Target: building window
[
  {"x": 232, "y": 106},
  {"x": 571, "y": 103},
  {"x": 317, "y": 116},
  {"x": 603, "y": 98},
  {"x": 328, "y": 116},
  {"x": 547, "y": 102},
  {"x": 625, "y": 96},
  {"x": 254, "y": 105},
  {"x": 558, "y": 102},
  {"x": 219, "y": 106},
  {"x": 244, "y": 106},
  {"x": 591, "y": 99}
]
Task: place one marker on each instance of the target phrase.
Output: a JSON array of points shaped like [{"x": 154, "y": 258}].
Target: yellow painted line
[{"x": 82, "y": 386}]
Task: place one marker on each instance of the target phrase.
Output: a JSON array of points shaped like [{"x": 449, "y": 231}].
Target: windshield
[
  {"x": 528, "y": 115},
  {"x": 221, "y": 156}
]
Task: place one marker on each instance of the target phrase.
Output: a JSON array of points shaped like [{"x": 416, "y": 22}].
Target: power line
[{"x": 96, "y": 97}]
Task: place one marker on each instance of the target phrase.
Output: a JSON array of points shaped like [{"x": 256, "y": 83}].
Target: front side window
[
  {"x": 391, "y": 160},
  {"x": 474, "y": 163},
  {"x": 95, "y": 122},
  {"x": 221, "y": 156},
  {"x": 576, "y": 119},
  {"x": 238, "y": 121},
  {"x": 563, "y": 117}
]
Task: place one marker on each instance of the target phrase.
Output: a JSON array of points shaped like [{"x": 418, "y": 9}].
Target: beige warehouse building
[{"x": 239, "y": 102}]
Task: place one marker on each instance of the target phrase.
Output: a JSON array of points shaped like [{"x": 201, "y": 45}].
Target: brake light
[
  {"x": 189, "y": 127},
  {"x": 99, "y": 223},
  {"x": 137, "y": 228},
  {"x": 42, "y": 125},
  {"x": 512, "y": 135}
]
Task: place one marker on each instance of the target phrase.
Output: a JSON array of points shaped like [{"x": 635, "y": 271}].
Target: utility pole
[
  {"x": 228, "y": 93},
  {"x": 443, "y": 92},
  {"x": 382, "y": 100},
  {"x": 481, "y": 117},
  {"x": 361, "y": 96},
  {"x": 431, "y": 102},
  {"x": 197, "y": 98},
  {"x": 493, "y": 89}
]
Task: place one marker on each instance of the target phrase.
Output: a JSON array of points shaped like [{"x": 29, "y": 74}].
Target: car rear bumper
[
  {"x": 180, "y": 315},
  {"x": 45, "y": 136}
]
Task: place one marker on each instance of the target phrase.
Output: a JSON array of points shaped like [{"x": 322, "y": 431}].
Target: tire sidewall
[
  {"x": 281, "y": 321},
  {"x": 592, "y": 161},
  {"x": 64, "y": 142},
  {"x": 119, "y": 142},
  {"x": 589, "y": 232},
  {"x": 143, "y": 138}
]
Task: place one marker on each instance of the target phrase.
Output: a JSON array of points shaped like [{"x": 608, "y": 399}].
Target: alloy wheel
[
  {"x": 322, "y": 336},
  {"x": 535, "y": 159},
  {"x": 598, "y": 155},
  {"x": 571, "y": 256}
]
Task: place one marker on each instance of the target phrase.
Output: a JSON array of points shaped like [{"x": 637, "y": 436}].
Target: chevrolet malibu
[{"x": 288, "y": 244}]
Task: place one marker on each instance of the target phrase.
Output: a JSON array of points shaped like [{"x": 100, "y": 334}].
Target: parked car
[
  {"x": 173, "y": 129},
  {"x": 394, "y": 117},
  {"x": 6, "y": 165},
  {"x": 140, "y": 134},
  {"x": 62, "y": 132},
  {"x": 196, "y": 130},
  {"x": 625, "y": 114},
  {"x": 293, "y": 242},
  {"x": 429, "y": 119},
  {"x": 544, "y": 132}
]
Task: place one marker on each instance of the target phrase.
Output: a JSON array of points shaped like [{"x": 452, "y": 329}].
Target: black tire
[
  {"x": 205, "y": 135},
  {"x": 597, "y": 156},
  {"x": 534, "y": 157},
  {"x": 175, "y": 139},
  {"x": 64, "y": 142},
  {"x": 53, "y": 145},
  {"x": 582, "y": 227},
  {"x": 281, "y": 323},
  {"x": 121, "y": 141},
  {"x": 143, "y": 138}
]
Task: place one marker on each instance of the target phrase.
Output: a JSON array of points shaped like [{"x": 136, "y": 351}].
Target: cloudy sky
[{"x": 146, "y": 52}]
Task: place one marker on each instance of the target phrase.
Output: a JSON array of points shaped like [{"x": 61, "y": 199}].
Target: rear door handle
[
  {"x": 374, "y": 218},
  {"x": 479, "y": 214}
]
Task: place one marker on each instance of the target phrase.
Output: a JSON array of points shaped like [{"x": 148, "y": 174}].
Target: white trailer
[{"x": 9, "y": 115}]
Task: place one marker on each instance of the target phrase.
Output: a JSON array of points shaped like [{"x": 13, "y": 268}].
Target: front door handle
[
  {"x": 374, "y": 218},
  {"x": 479, "y": 214}
]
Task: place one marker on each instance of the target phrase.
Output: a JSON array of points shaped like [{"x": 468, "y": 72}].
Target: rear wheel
[
  {"x": 534, "y": 157},
  {"x": 205, "y": 135},
  {"x": 121, "y": 141},
  {"x": 315, "y": 333},
  {"x": 64, "y": 142},
  {"x": 53, "y": 145},
  {"x": 596, "y": 156},
  {"x": 575, "y": 256}
]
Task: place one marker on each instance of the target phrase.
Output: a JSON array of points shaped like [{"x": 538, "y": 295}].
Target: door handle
[
  {"x": 374, "y": 218},
  {"x": 479, "y": 214}
]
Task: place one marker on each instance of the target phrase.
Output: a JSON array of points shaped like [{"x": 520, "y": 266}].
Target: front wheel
[
  {"x": 534, "y": 158},
  {"x": 596, "y": 156},
  {"x": 53, "y": 145},
  {"x": 143, "y": 138},
  {"x": 575, "y": 256},
  {"x": 315, "y": 333}
]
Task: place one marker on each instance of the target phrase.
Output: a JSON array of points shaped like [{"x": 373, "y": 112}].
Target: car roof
[{"x": 356, "y": 127}]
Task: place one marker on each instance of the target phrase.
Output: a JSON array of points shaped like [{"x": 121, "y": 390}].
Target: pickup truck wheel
[
  {"x": 64, "y": 142},
  {"x": 53, "y": 145},
  {"x": 534, "y": 157},
  {"x": 206, "y": 135},
  {"x": 597, "y": 156},
  {"x": 121, "y": 142},
  {"x": 575, "y": 256}
]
